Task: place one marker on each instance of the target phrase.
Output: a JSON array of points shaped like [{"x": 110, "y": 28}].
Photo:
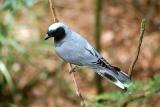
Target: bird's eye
[{"x": 60, "y": 32}]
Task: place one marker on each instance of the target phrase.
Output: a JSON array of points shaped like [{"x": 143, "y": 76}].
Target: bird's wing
[
  {"x": 78, "y": 54},
  {"x": 99, "y": 60},
  {"x": 78, "y": 51}
]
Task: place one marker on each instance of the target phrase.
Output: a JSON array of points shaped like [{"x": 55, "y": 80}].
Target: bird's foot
[{"x": 74, "y": 69}]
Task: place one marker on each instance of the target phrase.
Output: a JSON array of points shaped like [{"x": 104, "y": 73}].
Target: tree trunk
[{"x": 98, "y": 4}]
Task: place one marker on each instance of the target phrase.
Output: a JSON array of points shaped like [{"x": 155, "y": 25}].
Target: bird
[{"x": 75, "y": 49}]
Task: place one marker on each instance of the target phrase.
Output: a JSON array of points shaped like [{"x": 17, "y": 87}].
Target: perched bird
[{"x": 73, "y": 48}]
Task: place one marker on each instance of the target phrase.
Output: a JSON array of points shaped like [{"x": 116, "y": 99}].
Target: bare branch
[
  {"x": 138, "y": 48},
  {"x": 72, "y": 71},
  {"x": 55, "y": 19}
]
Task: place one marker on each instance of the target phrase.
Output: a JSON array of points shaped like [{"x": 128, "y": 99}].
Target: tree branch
[
  {"x": 55, "y": 19},
  {"x": 97, "y": 33},
  {"x": 138, "y": 48},
  {"x": 72, "y": 71}
]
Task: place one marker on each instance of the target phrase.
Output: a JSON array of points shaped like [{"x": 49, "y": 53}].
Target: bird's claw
[{"x": 74, "y": 69}]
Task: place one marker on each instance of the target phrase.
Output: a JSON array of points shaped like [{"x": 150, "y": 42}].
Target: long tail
[{"x": 116, "y": 76}]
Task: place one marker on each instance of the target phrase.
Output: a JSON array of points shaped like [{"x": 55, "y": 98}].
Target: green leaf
[
  {"x": 4, "y": 71},
  {"x": 99, "y": 105},
  {"x": 5, "y": 4},
  {"x": 10, "y": 4}
]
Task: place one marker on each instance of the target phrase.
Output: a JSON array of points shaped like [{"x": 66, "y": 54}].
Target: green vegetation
[{"x": 140, "y": 92}]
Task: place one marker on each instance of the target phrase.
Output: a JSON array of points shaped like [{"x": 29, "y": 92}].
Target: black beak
[{"x": 46, "y": 37}]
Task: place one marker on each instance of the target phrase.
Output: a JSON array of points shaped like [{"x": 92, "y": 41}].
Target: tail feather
[
  {"x": 112, "y": 73},
  {"x": 120, "y": 79}
]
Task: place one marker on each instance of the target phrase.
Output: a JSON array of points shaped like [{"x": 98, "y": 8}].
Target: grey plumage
[{"x": 73, "y": 48}]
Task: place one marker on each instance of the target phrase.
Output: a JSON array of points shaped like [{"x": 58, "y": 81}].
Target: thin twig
[
  {"x": 55, "y": 19},
  {"x": 135, "y": 97},
  {"x": 142, "y": 95},
  {"x": 138, "y": 48},
  {"x": 76, "y": 87}
]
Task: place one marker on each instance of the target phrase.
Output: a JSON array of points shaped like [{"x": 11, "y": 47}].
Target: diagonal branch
[
  {"x": 138, "y": 48},
  {"x": 55, "y": 19},
  {"x": 72, "y": 71}
]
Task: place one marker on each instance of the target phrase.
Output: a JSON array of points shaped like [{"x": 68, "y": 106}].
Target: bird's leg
[{"x": 74, "y": 69}]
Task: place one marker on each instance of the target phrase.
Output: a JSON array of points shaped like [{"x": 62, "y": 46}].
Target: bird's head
[{"x": 56, "y": 30}]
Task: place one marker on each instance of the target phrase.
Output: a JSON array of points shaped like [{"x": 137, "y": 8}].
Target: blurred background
[{"x": 32, "y": 75}]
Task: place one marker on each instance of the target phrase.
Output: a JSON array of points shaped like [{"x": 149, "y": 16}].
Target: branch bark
[
  {"x": 55, "y": 19},
  {"x": 142, "y": 30}
]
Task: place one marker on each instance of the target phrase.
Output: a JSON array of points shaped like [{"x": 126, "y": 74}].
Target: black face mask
[{"x": 58, "y": 34}]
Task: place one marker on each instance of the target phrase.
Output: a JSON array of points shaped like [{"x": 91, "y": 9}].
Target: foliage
[
  {"x": 6, "y": 74},
  {"x": 13, "y": 52},
  {"x": 14, "y": 5},
  {"x": 138, "y": 91}
]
